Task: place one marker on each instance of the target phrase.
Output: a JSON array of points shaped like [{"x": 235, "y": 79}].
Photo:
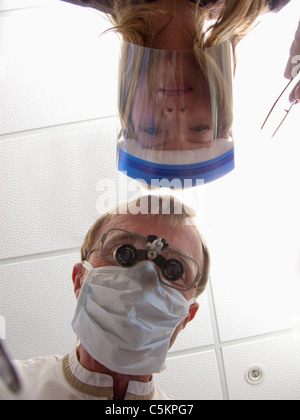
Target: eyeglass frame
[{"x": 143, "y": 238}]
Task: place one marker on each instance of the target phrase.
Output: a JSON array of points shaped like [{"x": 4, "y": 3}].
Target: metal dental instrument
[
  {"x": 7, "y": 372},
  {"x": 286, "y": 110},
  {"x": 287, "y": 113}
]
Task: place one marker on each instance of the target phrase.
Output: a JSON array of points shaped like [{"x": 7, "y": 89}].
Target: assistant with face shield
[
  {"x": 176, "y": 85},
  {"x": 176, "y": 114}
]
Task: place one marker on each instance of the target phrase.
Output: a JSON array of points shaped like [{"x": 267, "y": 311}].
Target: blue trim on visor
[{"x": 206, "y": 172}]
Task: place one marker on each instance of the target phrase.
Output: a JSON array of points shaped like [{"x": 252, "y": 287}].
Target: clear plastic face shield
[{"x": 176, "y": 115}]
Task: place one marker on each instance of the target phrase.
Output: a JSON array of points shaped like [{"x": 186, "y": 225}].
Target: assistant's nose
[
  {"x": 176, "y": 104},
  {"x": 172, "y": 109}
]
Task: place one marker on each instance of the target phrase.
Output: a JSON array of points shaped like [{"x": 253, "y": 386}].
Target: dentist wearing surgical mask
[{"x": 136, "y": 289}]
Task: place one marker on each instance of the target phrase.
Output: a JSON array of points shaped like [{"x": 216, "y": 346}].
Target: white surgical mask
[{"x": 125, "y": 318}]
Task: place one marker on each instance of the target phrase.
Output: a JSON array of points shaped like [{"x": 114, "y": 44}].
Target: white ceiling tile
[
  {"x": 49, "y": 186},
  {"x": 56, "y": 76},
  {"x": 279, "y": 360},
  {"x": 38, "y": 304},
  {"x": 191, "y": 377}
]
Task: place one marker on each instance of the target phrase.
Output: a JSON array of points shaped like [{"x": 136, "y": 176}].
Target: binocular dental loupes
[{"x": 127, "y": 256}]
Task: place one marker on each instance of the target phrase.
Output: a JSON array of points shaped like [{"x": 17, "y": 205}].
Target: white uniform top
[{"x": 63, "y": 378}]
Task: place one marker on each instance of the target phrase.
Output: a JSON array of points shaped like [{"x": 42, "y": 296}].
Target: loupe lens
[
  {"x": 126, "y": 255},
  {"x": 173, "y": 270}
]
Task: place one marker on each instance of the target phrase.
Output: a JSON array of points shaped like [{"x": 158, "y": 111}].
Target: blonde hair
[
  {"x": 134, "y": 21},
  {"x": 233, "y": 21},
  {"x": 168, "y": 208}
]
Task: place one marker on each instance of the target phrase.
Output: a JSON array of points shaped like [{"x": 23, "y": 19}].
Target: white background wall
[{"x": 58, "y": 85}]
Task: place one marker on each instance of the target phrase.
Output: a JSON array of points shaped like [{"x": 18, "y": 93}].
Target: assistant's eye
[
  {"x": 200, "y": 129},
  {"x": 153, "y": 130}
]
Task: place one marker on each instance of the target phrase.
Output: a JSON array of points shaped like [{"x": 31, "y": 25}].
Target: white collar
[{"x": 95, "y": 380}]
